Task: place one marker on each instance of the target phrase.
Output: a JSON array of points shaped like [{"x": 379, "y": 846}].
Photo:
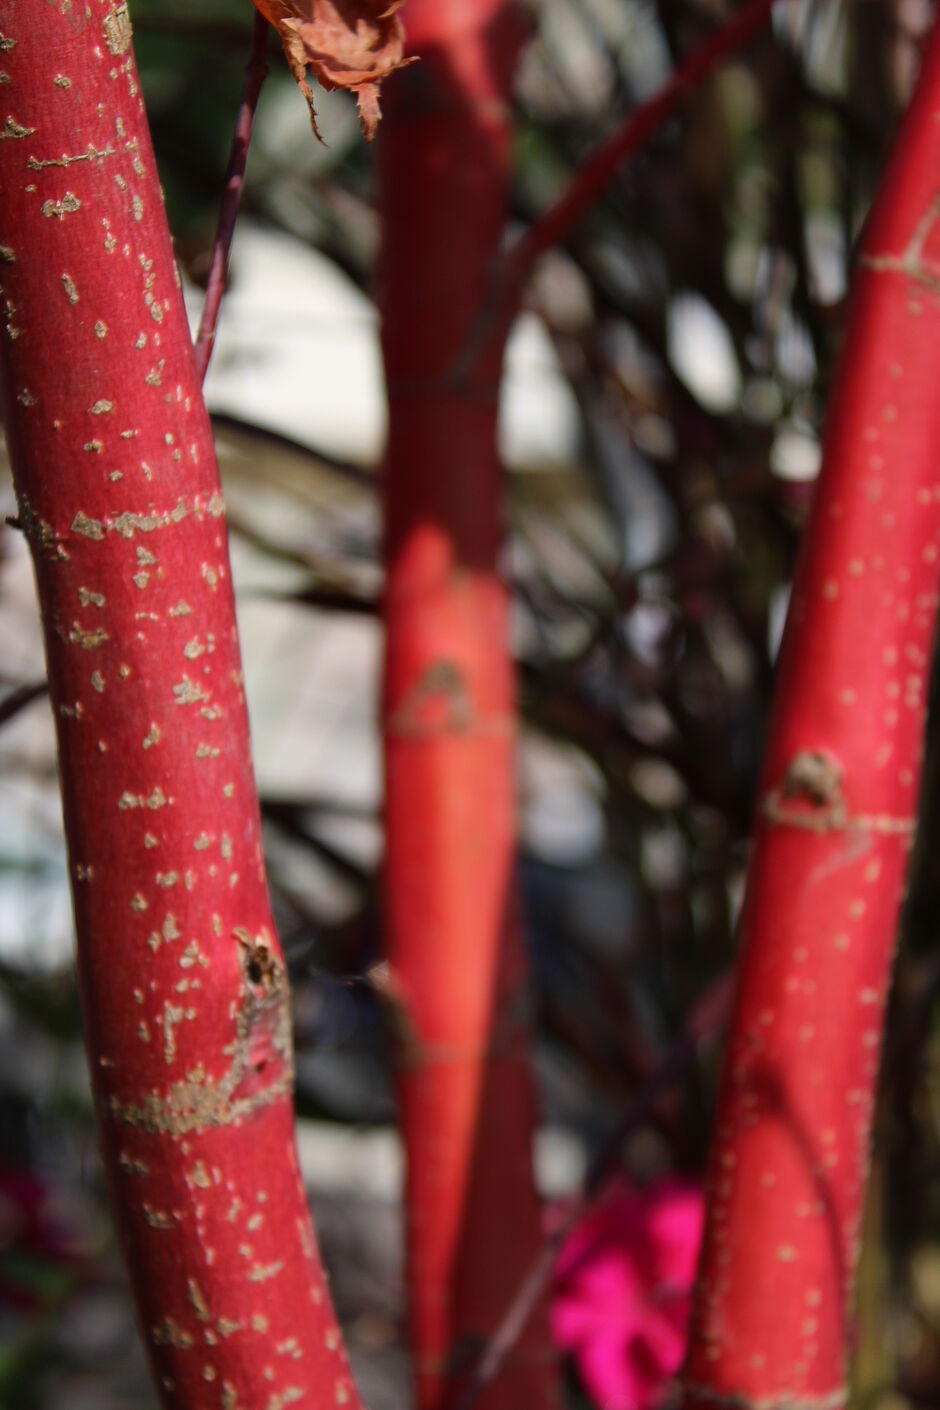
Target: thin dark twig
[
  {"x": 555, "y": 224},
  {"x": 289, "y": 818},
  {"x": 255, "y": 74},
  {"x": 226, "y": 421},
  {"x": 707, "y": 1018},
  {"x": 18, "y": 699}
]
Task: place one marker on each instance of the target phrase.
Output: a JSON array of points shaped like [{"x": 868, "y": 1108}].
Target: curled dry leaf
[{"x": 350, "y": 44}]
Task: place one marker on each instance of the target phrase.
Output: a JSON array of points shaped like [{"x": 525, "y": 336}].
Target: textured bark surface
[
  {"x": 454, "y": 941},
  {"x": 183, "y": 983},
  {"x": 773, "y": 1313}
]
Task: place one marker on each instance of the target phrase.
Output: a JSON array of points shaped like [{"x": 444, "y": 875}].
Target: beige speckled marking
[
  {"x": 58, "y": 210},
  {"x": 13, "y": 131},
  {"x": 912, "y": 263},
  {"x": 91, "y": 154}
]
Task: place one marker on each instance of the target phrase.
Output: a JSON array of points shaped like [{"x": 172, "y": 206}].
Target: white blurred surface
[{"x": 298, "y": 352}]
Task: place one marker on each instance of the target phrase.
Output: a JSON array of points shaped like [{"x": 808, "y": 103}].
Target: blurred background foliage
[{"x": 661, "y": 420}]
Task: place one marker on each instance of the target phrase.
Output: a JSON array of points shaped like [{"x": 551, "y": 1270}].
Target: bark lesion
[
  {"x": 442, "y": 683},
  {"x": 41, "y": 536},
  {"x": 260, "y": 1071},
  {"x": 117, "y": 30},
  {"x": 440, "y": 705},
  {"x": 811, "y": 797}
]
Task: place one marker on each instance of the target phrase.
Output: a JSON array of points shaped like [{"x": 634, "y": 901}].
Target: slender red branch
[
  {"x": 457, "y": 968},
  {"x": 634, "y": 132},
  {"x": 255, "y": 74},
  {"x": 772, "y": 1319},
  {"x": 182, "y": 978},
  {"x": 637, "y": 128}
]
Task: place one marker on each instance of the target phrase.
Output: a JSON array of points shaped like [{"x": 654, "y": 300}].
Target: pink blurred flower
[{"x": 622, "y": 1292}]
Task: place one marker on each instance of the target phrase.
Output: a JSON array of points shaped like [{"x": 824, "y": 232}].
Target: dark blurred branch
[
  {"x": 289, "y": 817},
  {"x": 226, "y": 421},
  {"x": 329, "y": 598},
  {"x": 328, "y": 591},
  {"x": 17, "y": 700}
]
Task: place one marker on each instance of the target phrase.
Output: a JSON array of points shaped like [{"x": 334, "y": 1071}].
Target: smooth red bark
[
  {"x": 183, "y": 983},
  {"x": 772, "y": 1324},
  {"x": 454, "y": 941}
]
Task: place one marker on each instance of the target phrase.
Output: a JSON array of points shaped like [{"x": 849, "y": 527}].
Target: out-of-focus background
[{"x": 660, "y": 423}]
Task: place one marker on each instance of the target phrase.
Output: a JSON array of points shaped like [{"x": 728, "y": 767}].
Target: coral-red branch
[
  {"x": 183, "y": 983},
  {"x": 454, "y": 939},
  {"x": 834, "y": 830}
]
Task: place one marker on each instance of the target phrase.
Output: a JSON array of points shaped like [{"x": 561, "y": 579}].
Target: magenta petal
[
  {"x": 675, "y": 1224},
  {"x": 610, "y": 1375},
  {"x": 622, "y": 1292}
]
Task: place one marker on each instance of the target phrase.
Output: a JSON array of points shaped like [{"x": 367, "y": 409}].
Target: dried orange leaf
[{"x": 350, "y": 44}]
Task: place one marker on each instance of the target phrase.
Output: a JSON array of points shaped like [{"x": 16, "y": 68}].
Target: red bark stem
[
  {"x": 454, "y": 939},
  {"x": 183, "y": 983},
  {"x": 255, "y": 74},
  {"x": 772, "y": 1324}
]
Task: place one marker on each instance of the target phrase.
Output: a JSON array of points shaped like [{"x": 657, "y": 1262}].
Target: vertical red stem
[
  {"x": 836, "y": 816},
  {"x": 454, "y": 939},
  {"x": 183, "y": 982}
]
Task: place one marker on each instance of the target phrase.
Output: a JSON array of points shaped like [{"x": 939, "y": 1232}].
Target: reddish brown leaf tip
[{"x": 352, "y": 44}]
